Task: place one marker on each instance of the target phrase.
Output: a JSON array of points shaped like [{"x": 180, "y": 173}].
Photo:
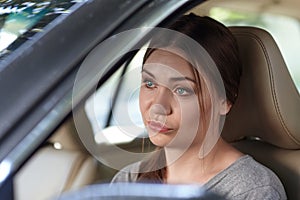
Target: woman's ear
[{"x": 225, "y": 107}]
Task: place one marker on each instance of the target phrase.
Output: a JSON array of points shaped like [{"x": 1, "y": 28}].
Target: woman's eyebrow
[
  {"x": 147, "y": 72},
  {"x": 182, "y": 79},
  {"x": 173, "y": 79}
]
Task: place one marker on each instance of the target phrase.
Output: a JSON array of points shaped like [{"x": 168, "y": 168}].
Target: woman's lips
[{"x": 158, "y": 127}]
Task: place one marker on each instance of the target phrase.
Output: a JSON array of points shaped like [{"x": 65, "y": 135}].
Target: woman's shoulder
[
  {"x": 248, "y": 169},
  {"x": 256, "y": 173},
  {"x": 128, "y": 173},
  {"x": 247, "y": 177}
]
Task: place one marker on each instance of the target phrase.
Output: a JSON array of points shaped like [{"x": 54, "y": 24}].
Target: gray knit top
[{"x": 244, "y": 179}]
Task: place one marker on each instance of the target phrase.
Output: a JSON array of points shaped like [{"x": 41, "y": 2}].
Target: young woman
[{"x": 183, "y": 105}]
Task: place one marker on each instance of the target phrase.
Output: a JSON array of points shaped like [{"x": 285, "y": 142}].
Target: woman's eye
[
  {"x": 149, "y": 84},
  {"x": 183, "y": 91}
]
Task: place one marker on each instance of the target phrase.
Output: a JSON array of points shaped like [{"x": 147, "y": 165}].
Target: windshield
[{"x": 20, "y": 20}]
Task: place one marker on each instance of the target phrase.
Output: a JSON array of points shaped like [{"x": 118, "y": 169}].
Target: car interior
[
  {"x": 262, "y": 123},
  {"x": 62, "y": 164}
]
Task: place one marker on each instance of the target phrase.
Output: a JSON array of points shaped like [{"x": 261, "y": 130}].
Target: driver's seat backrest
[
  {"x": 264, "y": 122},
  {"x": 52, "y": 171}
]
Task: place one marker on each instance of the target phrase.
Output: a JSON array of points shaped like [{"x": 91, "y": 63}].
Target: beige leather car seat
[
  {"x": 265, "y": 121},
  {"x": 52, "y": 171}
]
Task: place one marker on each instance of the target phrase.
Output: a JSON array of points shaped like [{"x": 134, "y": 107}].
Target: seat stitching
[{"x": 287, "y": 131}]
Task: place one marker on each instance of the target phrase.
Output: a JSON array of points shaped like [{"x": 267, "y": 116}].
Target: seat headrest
[{"x": 268, "y": 105}]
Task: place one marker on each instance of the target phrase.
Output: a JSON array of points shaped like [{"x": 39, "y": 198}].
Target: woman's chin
[{"x": 160, "y": 140}]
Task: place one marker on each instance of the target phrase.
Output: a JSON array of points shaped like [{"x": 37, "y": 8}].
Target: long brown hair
[{"x": 221, "y": 45}]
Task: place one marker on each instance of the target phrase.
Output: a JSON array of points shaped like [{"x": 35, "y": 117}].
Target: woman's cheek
[
  {"x": 144, "y": 101},
  {"x": 190, "y": 120},
  {"x": 189, "y": 110}
]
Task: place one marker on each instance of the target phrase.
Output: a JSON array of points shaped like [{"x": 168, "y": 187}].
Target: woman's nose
[{"x": 162, "y": 102}]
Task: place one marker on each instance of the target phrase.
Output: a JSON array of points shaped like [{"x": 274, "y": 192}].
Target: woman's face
[{"x": 168, "y": 100}]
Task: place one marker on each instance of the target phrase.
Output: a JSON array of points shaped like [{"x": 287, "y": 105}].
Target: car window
[
  {"x": 128, "y": 101},
  {"x": 107, "y": 112},
  {"x": 20, "y": 20},
  {"x": 98, "y": 105},
  {"x": 277, "y": 25}
]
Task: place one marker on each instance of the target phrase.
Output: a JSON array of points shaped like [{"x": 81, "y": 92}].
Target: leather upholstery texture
[
  {"x": 264, "y": 122},
  {"x": 52, "y": 171}
]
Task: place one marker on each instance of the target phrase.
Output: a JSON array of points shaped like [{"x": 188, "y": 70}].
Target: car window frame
[{"x": 32, "y": 124}]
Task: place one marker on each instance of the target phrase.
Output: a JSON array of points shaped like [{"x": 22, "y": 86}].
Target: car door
[{"x": 37, "y": 78}]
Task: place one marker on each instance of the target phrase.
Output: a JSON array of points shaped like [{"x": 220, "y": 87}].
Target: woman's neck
[{"x": 190, "y": 168}]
